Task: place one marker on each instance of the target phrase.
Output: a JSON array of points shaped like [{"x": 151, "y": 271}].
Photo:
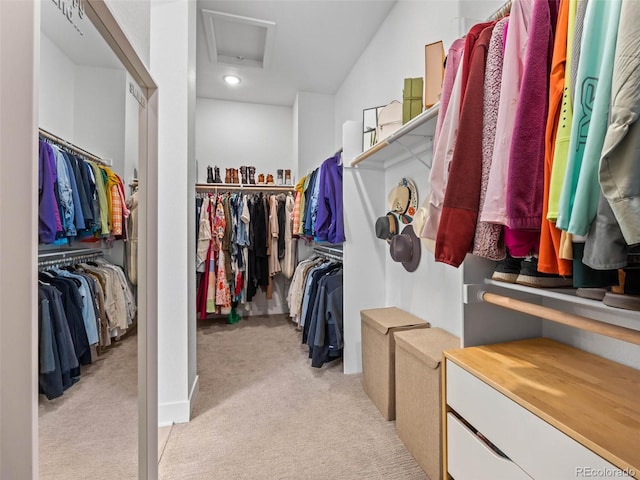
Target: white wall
[
  {"x": 131, "y": 136},
  {"x": 433, "y": 292},
  {"x": 172, "y": 65},
  {"x": 232, "y": 134},
  {"x": 395, "y": 53},
  {"x": 99, "y": 112},
  {"x": 56, "y": 108},
  {"x": 134, "y": 17},
  {"x": 316, "y": 138}
]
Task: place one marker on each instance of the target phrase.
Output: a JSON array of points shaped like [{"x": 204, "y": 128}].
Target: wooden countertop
[{"x": 591, "y": 399}]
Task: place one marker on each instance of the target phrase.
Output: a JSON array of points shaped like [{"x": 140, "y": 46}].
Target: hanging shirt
[
  {"x": 581, "y": 190},
  {"x": 330, "y": 221},
  {"x": 495, "y": 205},
  {"x": 439, "y": 172},
  {"x": 487, "y": 241},
  {"x": 65, "y": 194},
  {"x": 563, "y": 135},
  {"x": 457, "y": 225},
  {"x": 49, "y": 222},
  {"x": 548, "y": 260},
  {"x": 453, "y": 61}
]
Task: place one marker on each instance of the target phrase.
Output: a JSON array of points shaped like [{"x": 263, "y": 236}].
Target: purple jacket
[
  {"x": 330, "y": 222},
  {"x": 49, "y": 222}
]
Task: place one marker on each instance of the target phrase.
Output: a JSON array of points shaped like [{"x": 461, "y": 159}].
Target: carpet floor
[
  {"x": 91, "y": 432},
  {"x": 263, "y": 413}
]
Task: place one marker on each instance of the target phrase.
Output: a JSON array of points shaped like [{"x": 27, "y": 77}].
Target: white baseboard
[{"x": 179, "y": 412}]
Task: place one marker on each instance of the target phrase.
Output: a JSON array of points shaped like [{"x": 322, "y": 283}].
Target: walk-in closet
[{"x": 285, "y": 239}]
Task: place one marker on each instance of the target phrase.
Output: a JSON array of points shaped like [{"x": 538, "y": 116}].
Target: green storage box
[{"x": 412, "y": 98}]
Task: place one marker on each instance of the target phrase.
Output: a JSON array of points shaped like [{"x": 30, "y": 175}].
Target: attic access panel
[{"x": 238, "y": 41}]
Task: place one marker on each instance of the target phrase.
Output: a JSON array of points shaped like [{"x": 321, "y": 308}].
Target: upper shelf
[
  {"x": 409, "y": 141},
  {"x": 207, "y": 187}
]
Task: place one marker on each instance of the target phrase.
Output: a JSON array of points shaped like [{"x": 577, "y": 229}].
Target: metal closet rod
[
  {"x": 572, "y": 320},
  {"x": 503, "y": 11},
  {"x": 70, "y": 146},
  {"x": 67, "y": 257}
]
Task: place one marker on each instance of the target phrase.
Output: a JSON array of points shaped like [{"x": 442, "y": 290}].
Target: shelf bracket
[{"x": 414, "y": 154}]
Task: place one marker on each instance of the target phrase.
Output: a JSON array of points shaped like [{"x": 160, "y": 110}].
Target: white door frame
[{"x": 19, "y": 79}]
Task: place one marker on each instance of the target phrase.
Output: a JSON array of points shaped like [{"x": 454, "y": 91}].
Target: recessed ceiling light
[{"x": 231, "y": 79}]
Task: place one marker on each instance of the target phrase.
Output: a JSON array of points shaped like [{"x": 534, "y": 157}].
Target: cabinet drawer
[
  {"x": 540, "y": 449},
  {"x": 469, "y": 458}
]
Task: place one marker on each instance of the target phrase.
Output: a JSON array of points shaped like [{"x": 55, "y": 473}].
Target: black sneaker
[
  {"x": 507, "y": 270},
  {"x": 530, "y": 276}
]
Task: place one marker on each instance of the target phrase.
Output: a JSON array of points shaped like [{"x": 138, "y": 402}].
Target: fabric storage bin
[
  {"x": 419, "y": 393},
  {"x": 378, "y": 353}
]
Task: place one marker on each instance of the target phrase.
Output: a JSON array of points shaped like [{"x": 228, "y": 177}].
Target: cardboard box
[
  {"x": 433, "y": 73},
  {"x": 418, "y": 394},
  {"x": 412, "y": 98},
  {"x": 378, "y": 353}
]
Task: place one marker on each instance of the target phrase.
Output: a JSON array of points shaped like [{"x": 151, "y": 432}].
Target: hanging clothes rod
[
  {"x": 502, "y": 12},
  {"x": 225, "y": 187},
  {"x": 332, "y": 253},
  {"x": 70, "y": 146},
  {"x": 572, "y": 320},
  {"x": 67, "y": 257}
]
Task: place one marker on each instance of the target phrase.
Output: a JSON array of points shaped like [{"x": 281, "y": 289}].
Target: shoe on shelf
[
  {"x": 244, "y": 176},
  {"x": 507, "y": 270},
  {"x": 217, "y": 178},
  {"x": 227, "y": 176},
  {"x": 261, "y": 179},
  {"x": 236, "y": 177},
  {"x": 280, "y": 176},
  {"x": 209, "y": 174},
  {"x": 252, "y": 175},
  {"x": 287, "y": 177},
  {"x": 531, "y": 277},
  {"x": 270, "y": 180},
  {"x": 626, "y": 295}
]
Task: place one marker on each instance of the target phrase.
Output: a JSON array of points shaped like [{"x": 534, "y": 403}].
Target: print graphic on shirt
[{"x": 589, "y": 86}]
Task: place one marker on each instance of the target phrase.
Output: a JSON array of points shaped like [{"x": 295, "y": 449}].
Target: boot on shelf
[
  {"x": 227, "y": 176},
  {"x": 209, "y": 174},
  {"x": 252, "y": 175},
  {"x": 287, "y": 177},
  {"x": 217, "y": 178},
  {"x": 244, "y": 176},
  {"x": 280, "y": 176},
  {"x": 236, "y": 177},
  {"x": 270, "y": 179},
  {"x": 261, "y": 179}
]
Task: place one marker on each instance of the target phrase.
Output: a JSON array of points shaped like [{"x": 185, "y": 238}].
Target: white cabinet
[{"x": 555, "y": 412}]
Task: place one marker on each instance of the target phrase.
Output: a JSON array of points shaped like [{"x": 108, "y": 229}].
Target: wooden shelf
[{"x": 411, "y": 141}]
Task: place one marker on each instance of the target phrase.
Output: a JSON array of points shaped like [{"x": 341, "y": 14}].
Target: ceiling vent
[{"x": 238, "y": 41}]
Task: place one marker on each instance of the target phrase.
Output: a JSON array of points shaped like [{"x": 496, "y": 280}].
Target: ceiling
[{"x": 315, "y": 43}]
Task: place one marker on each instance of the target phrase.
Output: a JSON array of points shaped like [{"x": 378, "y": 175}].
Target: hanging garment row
[
  {"x": 318, "y": 212},
  {"x": 79, "y": 306},
  {"x": 315, "y": 305},
  {"x": 244, "y": 240},
  {"x": 78, "y": 198},
  {"x": 535, "y": 140}
]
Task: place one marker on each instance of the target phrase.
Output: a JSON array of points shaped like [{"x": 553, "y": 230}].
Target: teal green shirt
[{"x": 581, "y": 189}]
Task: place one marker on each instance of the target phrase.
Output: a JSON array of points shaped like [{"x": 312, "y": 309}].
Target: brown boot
[
  {"x": 270, "y": 179},
  {"x": 287, "y": 177},
  {"x": 236, "y": 176},
  {"x": 227, "y": 176},
  {"x": 261, "y": 179}
]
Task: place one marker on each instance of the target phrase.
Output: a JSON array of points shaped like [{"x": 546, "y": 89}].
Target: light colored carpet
[
  {"x": 264, "y": 413},
  {"x": 91, "y": 432}
]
